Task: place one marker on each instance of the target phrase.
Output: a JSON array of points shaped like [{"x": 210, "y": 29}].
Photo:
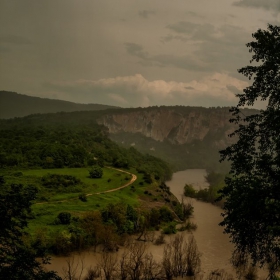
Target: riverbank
[{"x": 215, "y": 246}]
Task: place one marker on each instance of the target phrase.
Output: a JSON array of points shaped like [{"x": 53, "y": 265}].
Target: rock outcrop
[{"x": 177, "y": 125}]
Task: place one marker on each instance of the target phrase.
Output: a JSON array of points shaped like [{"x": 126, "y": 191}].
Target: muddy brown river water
[{"x": 214, "y": 245}]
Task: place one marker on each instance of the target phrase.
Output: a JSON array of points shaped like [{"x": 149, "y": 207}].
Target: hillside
[
  {"x": 13, "y": 105},
  {"x": 186, "y": 137}
]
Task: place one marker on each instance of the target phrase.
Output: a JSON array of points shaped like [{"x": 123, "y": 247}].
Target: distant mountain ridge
[
  {"x": 184, "y": 136},
  {"x": 13, "y": 105}
]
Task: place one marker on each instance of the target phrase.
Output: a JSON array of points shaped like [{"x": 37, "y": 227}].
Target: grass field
[{"x": 50, "y": 201}]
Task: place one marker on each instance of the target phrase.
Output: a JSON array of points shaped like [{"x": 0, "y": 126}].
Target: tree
[
  {"x": 189, "y": 190},
  {"x": 17, "y": 259},
  {"x": 181, "y": 258},
  {"x": 96, "y": 172},
  {"x": 252, "y": 192},
  {"x": 64, "y": 218}
]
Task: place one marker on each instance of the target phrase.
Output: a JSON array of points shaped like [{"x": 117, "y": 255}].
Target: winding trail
[{"x": 132, "y": 180}]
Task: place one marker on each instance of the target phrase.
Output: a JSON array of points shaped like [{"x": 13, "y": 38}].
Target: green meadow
[{"x": 51, "y": 201}]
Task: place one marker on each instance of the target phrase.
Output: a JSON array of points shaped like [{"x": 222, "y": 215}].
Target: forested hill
[
  {"x": 51, "y": 141},
  {"x": 183, "y": 136},
  {"x": 13, "y": 105}
]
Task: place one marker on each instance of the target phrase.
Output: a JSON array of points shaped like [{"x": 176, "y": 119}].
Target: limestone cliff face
[{"x": 178, "y": 125}]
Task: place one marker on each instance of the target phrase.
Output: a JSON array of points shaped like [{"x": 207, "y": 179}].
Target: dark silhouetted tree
[
  {"x": 252, "y": 193},
  {"x": 17, "y": 259}
]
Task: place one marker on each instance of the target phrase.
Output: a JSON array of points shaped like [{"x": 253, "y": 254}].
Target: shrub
[
  {"x": 189, "y": 191},
  {"x": 57, "y": 180},
  {"x": 96, "y": 172},
  {"x": 170, "y": 228},
  {"x": 165, "y": 214},
  {"x": 83, "y": 197},
  {"x": 64, "y": 218}
]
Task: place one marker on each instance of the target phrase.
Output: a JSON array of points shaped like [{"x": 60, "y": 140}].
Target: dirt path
[{"x": 132, "y": 180}]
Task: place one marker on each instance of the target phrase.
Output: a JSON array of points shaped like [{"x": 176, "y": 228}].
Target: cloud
[
  {"x": 136, "y": 50},
  {"x": 234, "y": 89},
  {"x": 273, "y": 5},
  {"x": 182, "y": 27},
  {"x": 216, "y": 48},
  {"x": 137, "y": 91},
  {"x": 208, "y": 48},
  {"x": 146, "y": 14},
  {"x": 163, "y": 60}
]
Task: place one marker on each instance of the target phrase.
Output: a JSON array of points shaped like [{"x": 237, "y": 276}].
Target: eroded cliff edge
[
  {"x": 186, "y": 137},
  {"x": 178, "y": 125}
]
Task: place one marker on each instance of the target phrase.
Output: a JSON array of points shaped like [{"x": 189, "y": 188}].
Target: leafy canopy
[
  {"x": 252, "y": 192},
  {"x": 17, "y": 259}
]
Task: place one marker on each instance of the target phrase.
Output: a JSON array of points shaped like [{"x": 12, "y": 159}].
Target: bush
[
  {"x": 64, "y": 218},
  {"x": 83, "y": 197},
  {"x": 170, "y": 229},
  {"x": 57, "y": 180},
  {"x": 96, "y": 172},
  {"x": 189, "y": 191},
  {"x": 203, "y": 194},
  {"x": 165, "y": 214}
]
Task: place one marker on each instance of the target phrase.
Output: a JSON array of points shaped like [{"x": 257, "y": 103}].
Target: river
[{"x": 214, "y": 245}]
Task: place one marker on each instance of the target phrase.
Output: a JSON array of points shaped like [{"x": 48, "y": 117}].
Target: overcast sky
[{"x": 130, "y": 53}]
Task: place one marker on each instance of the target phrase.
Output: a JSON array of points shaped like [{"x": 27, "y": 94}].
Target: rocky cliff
[{"x": 177, "y": 125}]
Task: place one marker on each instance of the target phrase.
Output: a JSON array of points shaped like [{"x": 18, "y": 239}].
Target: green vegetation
[
  {"x": 18, "y": 259},
  {"x": 211, "y": 193},
  {"x": 46, "y": 141},
  {"x": 252, "y": 196},
  {"x": 96, "y": 172},
  {"x": 197, "y": 154},
  {"x": 70, "y": 162}
]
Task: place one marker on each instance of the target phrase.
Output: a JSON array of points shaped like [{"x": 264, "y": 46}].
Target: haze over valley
[{"x": 139, "y": 140}]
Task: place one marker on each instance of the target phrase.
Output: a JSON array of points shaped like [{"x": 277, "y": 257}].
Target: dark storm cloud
[
  {"x": 78, "y": 47},
  {"x": 217, "y": 48},
  {"x": 273, "y": 5},
  {"x": 146, "y": 14},
  {"x": 136, "y": 50},
  {"x": 182, "y": 27},
  {"x": 164, "y": 60}
]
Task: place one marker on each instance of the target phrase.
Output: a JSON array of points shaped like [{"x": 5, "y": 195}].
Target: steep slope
[
  {"x": 177, "y": 125},
  {"x": 187, "y": 137},
  {"x": 13, "y": 105}
]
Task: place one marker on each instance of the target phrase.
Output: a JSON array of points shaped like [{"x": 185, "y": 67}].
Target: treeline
[
  {"x": 57, "y": 146},
  {"x": 209, "y": 194}
]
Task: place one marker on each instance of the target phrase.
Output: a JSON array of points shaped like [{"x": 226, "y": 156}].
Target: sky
[{"x": 130, "y": 53}]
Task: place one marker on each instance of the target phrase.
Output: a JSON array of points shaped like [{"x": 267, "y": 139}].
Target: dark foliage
[
  {"x": 50, "y": 141},
  {"x": 252, "y": 193},
  {"x": 17, "y": 259},
  {"x": 64, "y": 218},
  {"x": 96, "y": 172}
]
